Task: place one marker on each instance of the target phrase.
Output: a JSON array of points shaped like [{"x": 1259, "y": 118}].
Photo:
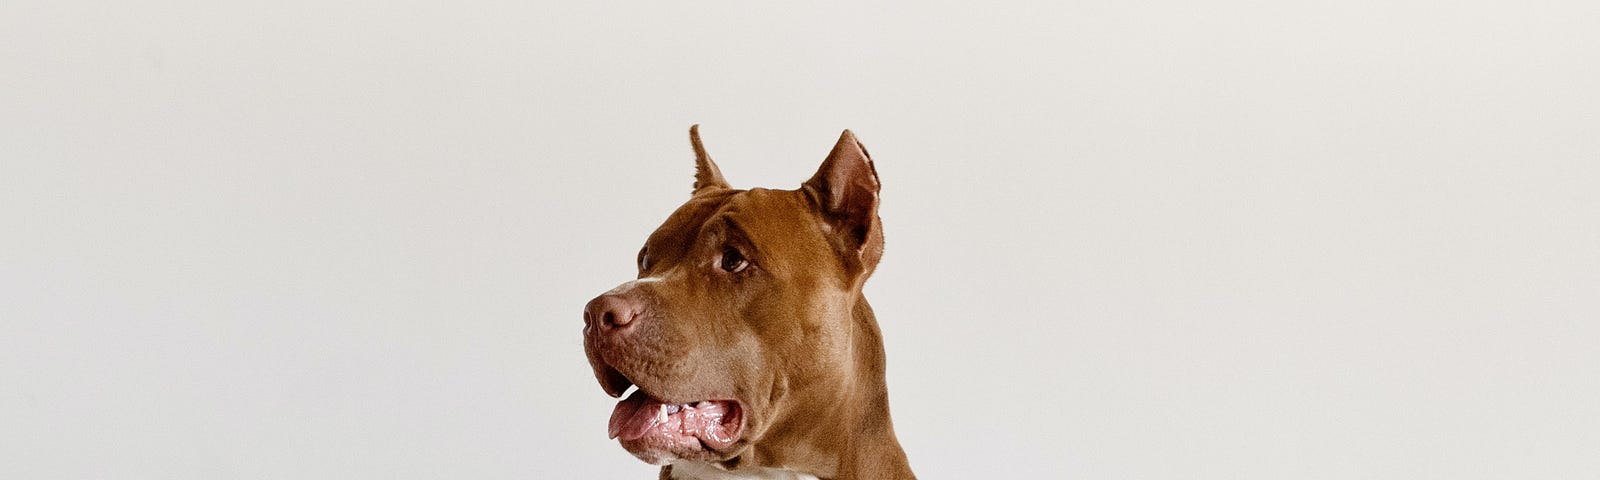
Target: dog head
[{"x": 741, "y": 324}]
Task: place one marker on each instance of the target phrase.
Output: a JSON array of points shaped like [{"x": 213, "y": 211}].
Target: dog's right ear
[{"x": 706, "y": 174}]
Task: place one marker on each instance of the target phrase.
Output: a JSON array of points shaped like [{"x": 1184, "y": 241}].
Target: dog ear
[
  {"x": 845, "y": 189},
  {"x": 706, "y": 174}
]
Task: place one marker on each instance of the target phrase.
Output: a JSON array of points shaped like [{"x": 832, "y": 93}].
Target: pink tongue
[{"x": 633, "y": 417}]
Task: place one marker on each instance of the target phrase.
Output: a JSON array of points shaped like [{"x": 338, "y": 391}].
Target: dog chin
[{"x": 662, "y": 453}]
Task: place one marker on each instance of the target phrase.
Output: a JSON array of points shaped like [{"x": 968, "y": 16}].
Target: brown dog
[{"x": 755, "y": 354}]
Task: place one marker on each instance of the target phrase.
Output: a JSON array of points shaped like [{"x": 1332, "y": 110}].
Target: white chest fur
[{"x": 701, "y": 471}]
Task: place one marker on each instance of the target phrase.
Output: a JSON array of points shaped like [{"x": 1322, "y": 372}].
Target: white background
[{"x": 1126, "y": 240}]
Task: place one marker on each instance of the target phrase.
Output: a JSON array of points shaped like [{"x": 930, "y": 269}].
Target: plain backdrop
[{"x": 1126, "y": 240}]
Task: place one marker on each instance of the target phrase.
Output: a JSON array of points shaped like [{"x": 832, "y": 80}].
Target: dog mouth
[{"x": 658, "y": 431}]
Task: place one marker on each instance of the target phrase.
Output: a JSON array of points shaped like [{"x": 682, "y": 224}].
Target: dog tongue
[{"x": 633, "y": 416}]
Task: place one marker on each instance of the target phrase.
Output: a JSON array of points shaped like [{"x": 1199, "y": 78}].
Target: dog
[{"x": 754, "y": 352}]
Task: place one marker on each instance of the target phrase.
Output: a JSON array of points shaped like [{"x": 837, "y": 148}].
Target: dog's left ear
[
  {"x": 846, "y": 189},
  {"x": 706, "y": 174}
]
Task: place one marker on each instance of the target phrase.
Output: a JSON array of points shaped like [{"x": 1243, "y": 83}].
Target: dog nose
[{"x": 610, "y": 311}]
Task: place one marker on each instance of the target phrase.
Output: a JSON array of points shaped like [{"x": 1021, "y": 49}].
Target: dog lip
[
  {"x": 611, "y": 379},
  {"x": 614, "y": 382}
]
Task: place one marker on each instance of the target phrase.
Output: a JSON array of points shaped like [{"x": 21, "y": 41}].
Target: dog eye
[
  {"x": 733, "y": 261},
  {"x": 644, "y": 258}
]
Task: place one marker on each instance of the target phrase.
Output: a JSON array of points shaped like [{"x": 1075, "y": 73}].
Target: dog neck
[{"x": 845, "y": 436}]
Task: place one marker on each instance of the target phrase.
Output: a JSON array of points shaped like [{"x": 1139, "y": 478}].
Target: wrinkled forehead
[
  {"x": 685, "y": 222},
  {"x": 681, "y": 229},
  {"x": 764, "y": 217}
]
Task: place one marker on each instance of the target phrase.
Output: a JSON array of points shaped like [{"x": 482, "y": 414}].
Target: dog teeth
[{"x": 661, "y": 415}]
